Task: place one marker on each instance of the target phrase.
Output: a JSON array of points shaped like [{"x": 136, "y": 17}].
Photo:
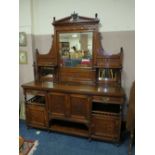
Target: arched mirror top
[{"x": 75, "y": 39}]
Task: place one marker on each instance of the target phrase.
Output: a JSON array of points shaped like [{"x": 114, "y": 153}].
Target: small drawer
[
  {"x": 35, "y": 92},
  {"x": 106, "y": 99}
]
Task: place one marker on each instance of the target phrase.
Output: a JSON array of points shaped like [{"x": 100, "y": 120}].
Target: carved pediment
[{"x": 75, "y": 19}]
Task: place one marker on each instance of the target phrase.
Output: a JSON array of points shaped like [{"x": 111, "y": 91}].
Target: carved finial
[
  {"x": 53, "y": 19},
  {"x": 96, "y": 15},
  {"x": 74, "y": 16},
  {"x": 37, "y": 51},
  {"x": 121, "y": 49}
]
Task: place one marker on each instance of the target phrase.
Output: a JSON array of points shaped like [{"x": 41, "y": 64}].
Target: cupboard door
[
  {"x": 36, "y": 115},
  {"x": 57, "y": 104},
  {"x": 106, "y": 127},
  {"x": 79, "y": 107}
]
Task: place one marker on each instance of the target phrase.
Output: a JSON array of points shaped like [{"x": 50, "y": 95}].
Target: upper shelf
[{"x": 109, "y": 61}]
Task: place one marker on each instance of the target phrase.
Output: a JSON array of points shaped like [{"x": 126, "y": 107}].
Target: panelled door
[
  {"x": 79, "y": 107},
  {"x": 73, "y": 107},
  {"x": 57, "y": 104}
]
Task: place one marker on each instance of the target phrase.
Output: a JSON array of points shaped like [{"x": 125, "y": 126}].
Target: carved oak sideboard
[{"x": 77, "y": 88}]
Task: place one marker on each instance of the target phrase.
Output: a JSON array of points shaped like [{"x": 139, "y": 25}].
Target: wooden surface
[{"x": 70, "y": 88}]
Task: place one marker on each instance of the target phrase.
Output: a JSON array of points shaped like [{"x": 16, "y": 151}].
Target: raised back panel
[
  {"x": 81, "y": 75},
  {"x": 86, "y": 65},
  {"x": 78, "y": 67}
]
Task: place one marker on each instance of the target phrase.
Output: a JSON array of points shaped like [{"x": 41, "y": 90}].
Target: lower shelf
[
  {"x": 69, "y": 128},
  {"x": 29, "y": 125}
]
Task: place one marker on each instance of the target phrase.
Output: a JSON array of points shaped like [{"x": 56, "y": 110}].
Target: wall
[
  {"x": 114, "y": 15},
  {"x": 25, "y": 70},
  {"x": 117, "y": 28}
]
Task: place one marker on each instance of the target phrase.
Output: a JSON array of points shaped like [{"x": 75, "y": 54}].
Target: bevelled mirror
[{"x": 75, "y": 49}]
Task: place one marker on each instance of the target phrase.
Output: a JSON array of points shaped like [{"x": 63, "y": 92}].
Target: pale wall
[
  {"x": 25, "y": 70},
  {"x": 115, "y": 15}
]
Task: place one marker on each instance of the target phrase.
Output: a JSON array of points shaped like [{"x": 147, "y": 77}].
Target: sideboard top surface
[{"x": 70, "y": 88}]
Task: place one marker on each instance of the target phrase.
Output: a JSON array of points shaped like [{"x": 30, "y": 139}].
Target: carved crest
[{"x": 76, "y": 19}]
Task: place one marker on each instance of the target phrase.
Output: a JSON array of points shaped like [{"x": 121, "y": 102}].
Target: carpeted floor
[{"x": 61, "y": 144}]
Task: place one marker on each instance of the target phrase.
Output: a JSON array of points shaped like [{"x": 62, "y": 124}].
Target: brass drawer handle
[{"x": 105, "y": 99}]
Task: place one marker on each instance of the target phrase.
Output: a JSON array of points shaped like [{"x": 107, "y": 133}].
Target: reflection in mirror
[{"x": 75, "y": 49}]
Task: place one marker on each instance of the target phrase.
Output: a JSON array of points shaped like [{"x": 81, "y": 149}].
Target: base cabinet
[
  {"x": 36, "y": 116},
  {"x": 73, "y": 113},
  {"x": 106, "y": 127}
]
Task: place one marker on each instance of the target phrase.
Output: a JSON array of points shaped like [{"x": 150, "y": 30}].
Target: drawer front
[
  {"x": 36, "y": 115},
  {"x": 105, "y": 126},
  {"x": 35, "y": 92},
  {"x": 104, "y": 99}
]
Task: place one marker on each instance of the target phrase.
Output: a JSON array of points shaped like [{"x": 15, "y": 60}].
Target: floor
[{"x": 52, "y": 143}]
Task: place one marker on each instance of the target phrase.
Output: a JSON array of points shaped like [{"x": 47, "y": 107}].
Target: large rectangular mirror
[{"x": 76, "y": 49}]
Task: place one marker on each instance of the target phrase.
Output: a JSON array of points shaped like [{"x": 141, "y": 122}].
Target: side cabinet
[
  {"x": 106, "y": 118},
  {"x": 36, "y": 108},
  {"x": 106, "y": 127},
  {"x": 36, "y": 116}
]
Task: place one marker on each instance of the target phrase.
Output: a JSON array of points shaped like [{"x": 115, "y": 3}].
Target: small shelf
[
  {"x": 69, "y": 127},
  {"x": 105, "y": 113},
  {"x": 48, "y": 77},
  {"x": 46, "y": 73},
  {"x": 107, "y": 81},
  {"x": 112, "y": 67}
]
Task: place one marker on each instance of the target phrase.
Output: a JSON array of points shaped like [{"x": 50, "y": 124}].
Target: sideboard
[{"x": 77, "y": 88}]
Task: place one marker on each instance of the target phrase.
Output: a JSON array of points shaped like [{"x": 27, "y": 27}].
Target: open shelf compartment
[
  {"x": 102, "y": 108},
  {"x": 69, "y": 127},
  {"x": 37, "y": 100}
]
